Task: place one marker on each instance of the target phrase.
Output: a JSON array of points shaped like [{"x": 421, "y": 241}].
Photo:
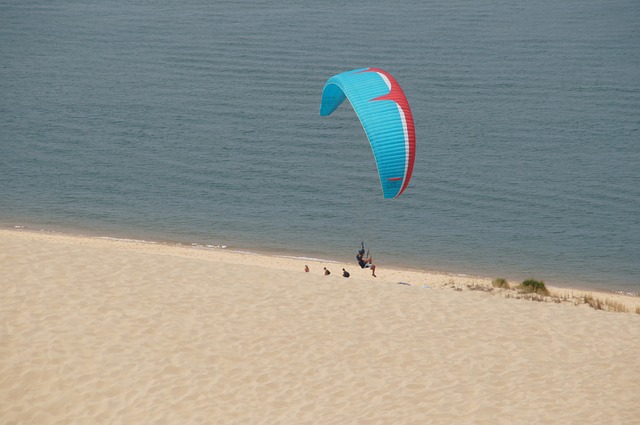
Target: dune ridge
[{"x": 111, "y": 331}]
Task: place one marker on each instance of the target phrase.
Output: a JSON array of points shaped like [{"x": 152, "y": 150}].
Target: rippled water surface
[{"x": 197, "y": 122}]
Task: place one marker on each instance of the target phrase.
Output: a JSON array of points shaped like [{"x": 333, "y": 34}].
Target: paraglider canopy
[{"x": 384, "y": 113}]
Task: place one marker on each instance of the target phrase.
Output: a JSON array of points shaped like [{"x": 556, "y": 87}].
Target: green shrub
[
  {"x": 501, "y": 282},
  {"x": 534, "y": 286}
]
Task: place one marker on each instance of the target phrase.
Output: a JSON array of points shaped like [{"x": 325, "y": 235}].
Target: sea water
[{"x": 198, "y": 122}]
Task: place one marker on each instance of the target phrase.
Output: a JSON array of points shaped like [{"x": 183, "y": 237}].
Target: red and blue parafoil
[{"x": 384, "y": 112}]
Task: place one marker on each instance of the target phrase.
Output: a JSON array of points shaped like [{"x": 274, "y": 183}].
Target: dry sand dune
[{"x": 98, "y": 331}]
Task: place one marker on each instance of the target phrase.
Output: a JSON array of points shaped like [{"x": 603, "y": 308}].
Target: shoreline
[
  {"x": 413, "y": 277},
  {"x": 570, "y": 284}
]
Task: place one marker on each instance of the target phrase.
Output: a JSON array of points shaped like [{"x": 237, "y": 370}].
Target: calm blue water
[{"x": 197, "y": 122}]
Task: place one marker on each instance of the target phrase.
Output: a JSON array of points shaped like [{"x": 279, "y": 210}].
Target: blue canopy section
[{"x": 384, "y": 113}]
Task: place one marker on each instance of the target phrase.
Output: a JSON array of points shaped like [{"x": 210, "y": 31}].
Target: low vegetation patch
[
  {"x": 532, "y": 286},
  {"x": 535, "y": 290},
  {"x": 606, "y": 305},
  {"x": 501, "y": 282}
]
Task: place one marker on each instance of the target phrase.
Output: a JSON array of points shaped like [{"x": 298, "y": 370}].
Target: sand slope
[{"x": 110, "y": 332}]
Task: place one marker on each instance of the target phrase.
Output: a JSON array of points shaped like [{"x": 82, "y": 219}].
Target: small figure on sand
[
  {"x": 326, "y": 272},
  {"x": 345, "y": 273},
  {"x": 306, "y": 268},
  {"x": 366, "y": 262}
]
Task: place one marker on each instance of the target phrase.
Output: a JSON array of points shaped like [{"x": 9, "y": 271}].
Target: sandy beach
[{"x": 103, "y": 331}]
